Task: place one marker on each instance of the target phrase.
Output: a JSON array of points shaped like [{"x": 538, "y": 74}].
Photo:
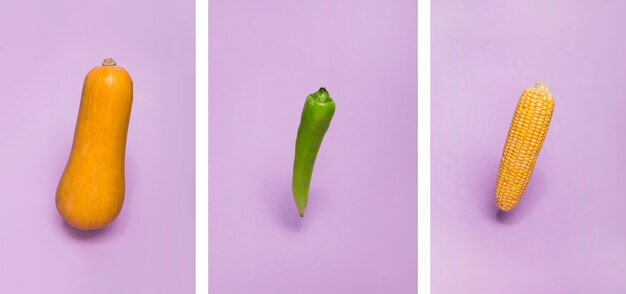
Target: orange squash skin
[{"x": 91, "y": 190}]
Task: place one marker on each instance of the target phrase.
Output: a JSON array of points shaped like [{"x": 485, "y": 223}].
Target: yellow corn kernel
[{"x": 526, "y": 135}]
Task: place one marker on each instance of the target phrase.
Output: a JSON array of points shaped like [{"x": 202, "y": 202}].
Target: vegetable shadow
[
  {"x": 90, "y": 236},
  {"x": 286, "y": 212},
  {"x": 108, "y": 233},
  {"x": 283, "y": 208},
  {"x": 486, "y": 179}
]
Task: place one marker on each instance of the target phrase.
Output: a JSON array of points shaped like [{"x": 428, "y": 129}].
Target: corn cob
[{"x": 526, "y": 135}]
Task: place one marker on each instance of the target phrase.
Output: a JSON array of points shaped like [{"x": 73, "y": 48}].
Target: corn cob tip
[{"x": 542, "y": 86}]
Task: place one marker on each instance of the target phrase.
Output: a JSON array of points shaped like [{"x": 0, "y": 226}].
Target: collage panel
[
  {"x": 527, "y": 166},
  {"x": 97, "y": 160},
  {"x": 329, "y": 83}
]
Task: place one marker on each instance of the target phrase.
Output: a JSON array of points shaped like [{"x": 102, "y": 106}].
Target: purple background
[
  {"x": 47, "y": 49},
  {"x": 568, "y": 233},
  {"x": 359, "y": 233}
]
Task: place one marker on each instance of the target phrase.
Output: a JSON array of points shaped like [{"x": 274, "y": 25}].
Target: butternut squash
[{"x": 91, "y": 190}]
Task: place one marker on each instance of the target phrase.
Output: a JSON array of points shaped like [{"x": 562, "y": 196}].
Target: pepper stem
[{"x": 321, "y": 95}]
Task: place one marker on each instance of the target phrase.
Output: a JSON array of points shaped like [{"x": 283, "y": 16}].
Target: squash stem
[{"x": 109, "y": 62}]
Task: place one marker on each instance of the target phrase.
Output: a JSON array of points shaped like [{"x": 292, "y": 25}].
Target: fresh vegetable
[
  {"x": 318, "y": 111},
  {"x": 526, "y": 136},
  {"x": 91, "y": 190}
]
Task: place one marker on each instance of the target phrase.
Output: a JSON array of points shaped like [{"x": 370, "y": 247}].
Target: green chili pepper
[{"x": 316, "y": 116}]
